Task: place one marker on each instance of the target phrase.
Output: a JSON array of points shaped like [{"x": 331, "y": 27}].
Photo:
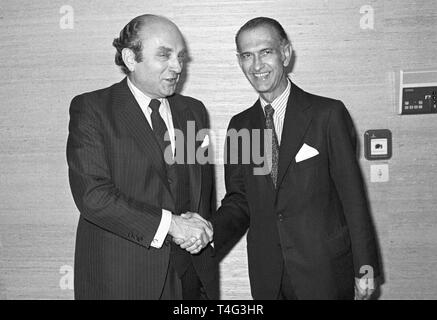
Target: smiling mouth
[
  {"x": 171, "y": 80},
  {"x": 261, "y": 75}
]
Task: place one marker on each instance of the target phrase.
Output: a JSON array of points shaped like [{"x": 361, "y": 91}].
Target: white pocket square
[
  {"x": 306, "y": 152},
  {"x": 205, "y": 142}
]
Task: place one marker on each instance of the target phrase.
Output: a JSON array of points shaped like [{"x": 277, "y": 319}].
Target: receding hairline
[
  {"x": 151, "y": 21},
  {"x": 261, "y": 22}
]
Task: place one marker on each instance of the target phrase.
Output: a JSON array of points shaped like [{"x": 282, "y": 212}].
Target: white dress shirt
[
  {"x": 279, "y": 105},
  {"x": 165, "y": 112}
]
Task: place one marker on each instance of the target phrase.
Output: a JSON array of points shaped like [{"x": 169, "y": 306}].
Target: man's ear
[
  {"x": 287, "y": 51},
  {"x": 239, "y": 59},
  {"x": 129, "y": 58}
]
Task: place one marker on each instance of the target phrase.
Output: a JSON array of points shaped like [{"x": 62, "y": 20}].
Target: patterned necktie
[
  {"x": 159, "y": 127},
  {"x": 275, "y": 145}
]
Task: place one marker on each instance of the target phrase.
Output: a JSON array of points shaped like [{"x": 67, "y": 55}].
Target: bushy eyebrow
[
  {"x": 169, "y": 50},
  {"x": 164, "y": 49},
  {"x": 263, "y": 49}
]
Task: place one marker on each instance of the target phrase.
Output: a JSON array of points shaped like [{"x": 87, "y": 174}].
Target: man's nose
[
  {"x": 257, "y": 63},
  {"x": 176, "y": 65}
]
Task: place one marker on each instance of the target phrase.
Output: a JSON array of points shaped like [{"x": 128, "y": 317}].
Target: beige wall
[{"x": 42, "y": 66}]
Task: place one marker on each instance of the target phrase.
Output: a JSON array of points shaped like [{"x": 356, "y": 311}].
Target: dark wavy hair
[
  {"x": 263, "y": 21},
  {"x": 129, "y": 38}
]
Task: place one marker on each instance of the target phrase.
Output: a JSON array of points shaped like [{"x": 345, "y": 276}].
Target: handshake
[{"x": 191, "y": 232}]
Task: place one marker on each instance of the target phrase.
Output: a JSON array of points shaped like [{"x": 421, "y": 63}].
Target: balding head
[
  {"x": 151, "y": 52},
  {"x": 138, "y": 29}
]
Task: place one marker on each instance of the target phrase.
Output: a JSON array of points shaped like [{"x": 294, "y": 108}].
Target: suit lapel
[
  {"x": 296, "y": 122},
  {"x": 181, "y": 114},
  {"x": 132, "y": 117}
]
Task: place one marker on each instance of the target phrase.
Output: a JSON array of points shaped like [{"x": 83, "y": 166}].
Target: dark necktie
[
  {"x": 159, "y": 127},
  {"x": 275, "y": 145}
]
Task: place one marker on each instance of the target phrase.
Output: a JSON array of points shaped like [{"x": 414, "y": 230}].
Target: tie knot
[
  {"x": 269, "y": 110},
  {"x": 154, "y": 104}
]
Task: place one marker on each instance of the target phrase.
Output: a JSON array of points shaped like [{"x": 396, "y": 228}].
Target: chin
[
  {"x": 261, "y": 87},
  {"x": 169, "y": 92}
]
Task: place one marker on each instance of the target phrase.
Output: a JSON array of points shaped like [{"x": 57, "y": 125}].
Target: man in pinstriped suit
[{"x": 129, "y": 195}]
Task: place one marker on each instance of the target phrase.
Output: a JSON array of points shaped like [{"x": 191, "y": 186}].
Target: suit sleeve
[
  {"x": 97, "y": 198},
  {"x": 346, "y": 174},
  {"x": 232, "y": 219}
]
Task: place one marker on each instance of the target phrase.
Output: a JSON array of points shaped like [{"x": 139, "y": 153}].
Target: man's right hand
[{"x": 191, "y": 231}]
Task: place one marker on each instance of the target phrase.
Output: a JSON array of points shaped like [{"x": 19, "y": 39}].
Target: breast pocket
[{"x": 310, "y": 162}]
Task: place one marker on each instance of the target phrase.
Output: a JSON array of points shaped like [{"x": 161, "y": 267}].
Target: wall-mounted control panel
[
  {"x": 377, "y": 144},
  {"x": 418, "y": 92}
]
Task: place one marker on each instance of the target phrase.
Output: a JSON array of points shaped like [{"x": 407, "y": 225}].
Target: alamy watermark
[
  {"x": 242, "y": 146},
  {"x": 367, "y": 281},
  {"x": 367, "y": 20},
  {"x": 67, "y": 19},
  {"x": 67, "y": 279}
]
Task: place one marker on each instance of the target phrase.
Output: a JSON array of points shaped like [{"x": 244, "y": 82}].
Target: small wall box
[
  {"x": 417, "y": 91},
  {"x": 377, "y": 144}
]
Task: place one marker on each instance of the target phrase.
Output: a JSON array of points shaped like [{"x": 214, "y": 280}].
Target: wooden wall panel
[{"x": 43, "y": 66}]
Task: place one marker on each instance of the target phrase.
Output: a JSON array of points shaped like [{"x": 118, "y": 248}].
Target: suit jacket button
[{"x": 281, "y": 217}]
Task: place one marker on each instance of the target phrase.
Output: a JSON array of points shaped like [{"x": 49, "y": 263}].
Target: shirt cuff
[{"x": 162, "y": 231}]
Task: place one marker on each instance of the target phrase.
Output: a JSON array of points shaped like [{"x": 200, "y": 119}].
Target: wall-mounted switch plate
[
  {"x": 417, "y": 92},
  {"x": 377, "y": 144},
  {"x": 379, "y": 173}
]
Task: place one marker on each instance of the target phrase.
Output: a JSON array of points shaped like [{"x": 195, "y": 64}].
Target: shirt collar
[
  {"x": 139, "y": 95},
  {"x": 281, "y": 101}
]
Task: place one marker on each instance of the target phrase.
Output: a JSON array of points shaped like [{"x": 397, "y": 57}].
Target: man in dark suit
[
  {"x": 127, "y": 184},
  {"x": 310, "y": 232}
]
